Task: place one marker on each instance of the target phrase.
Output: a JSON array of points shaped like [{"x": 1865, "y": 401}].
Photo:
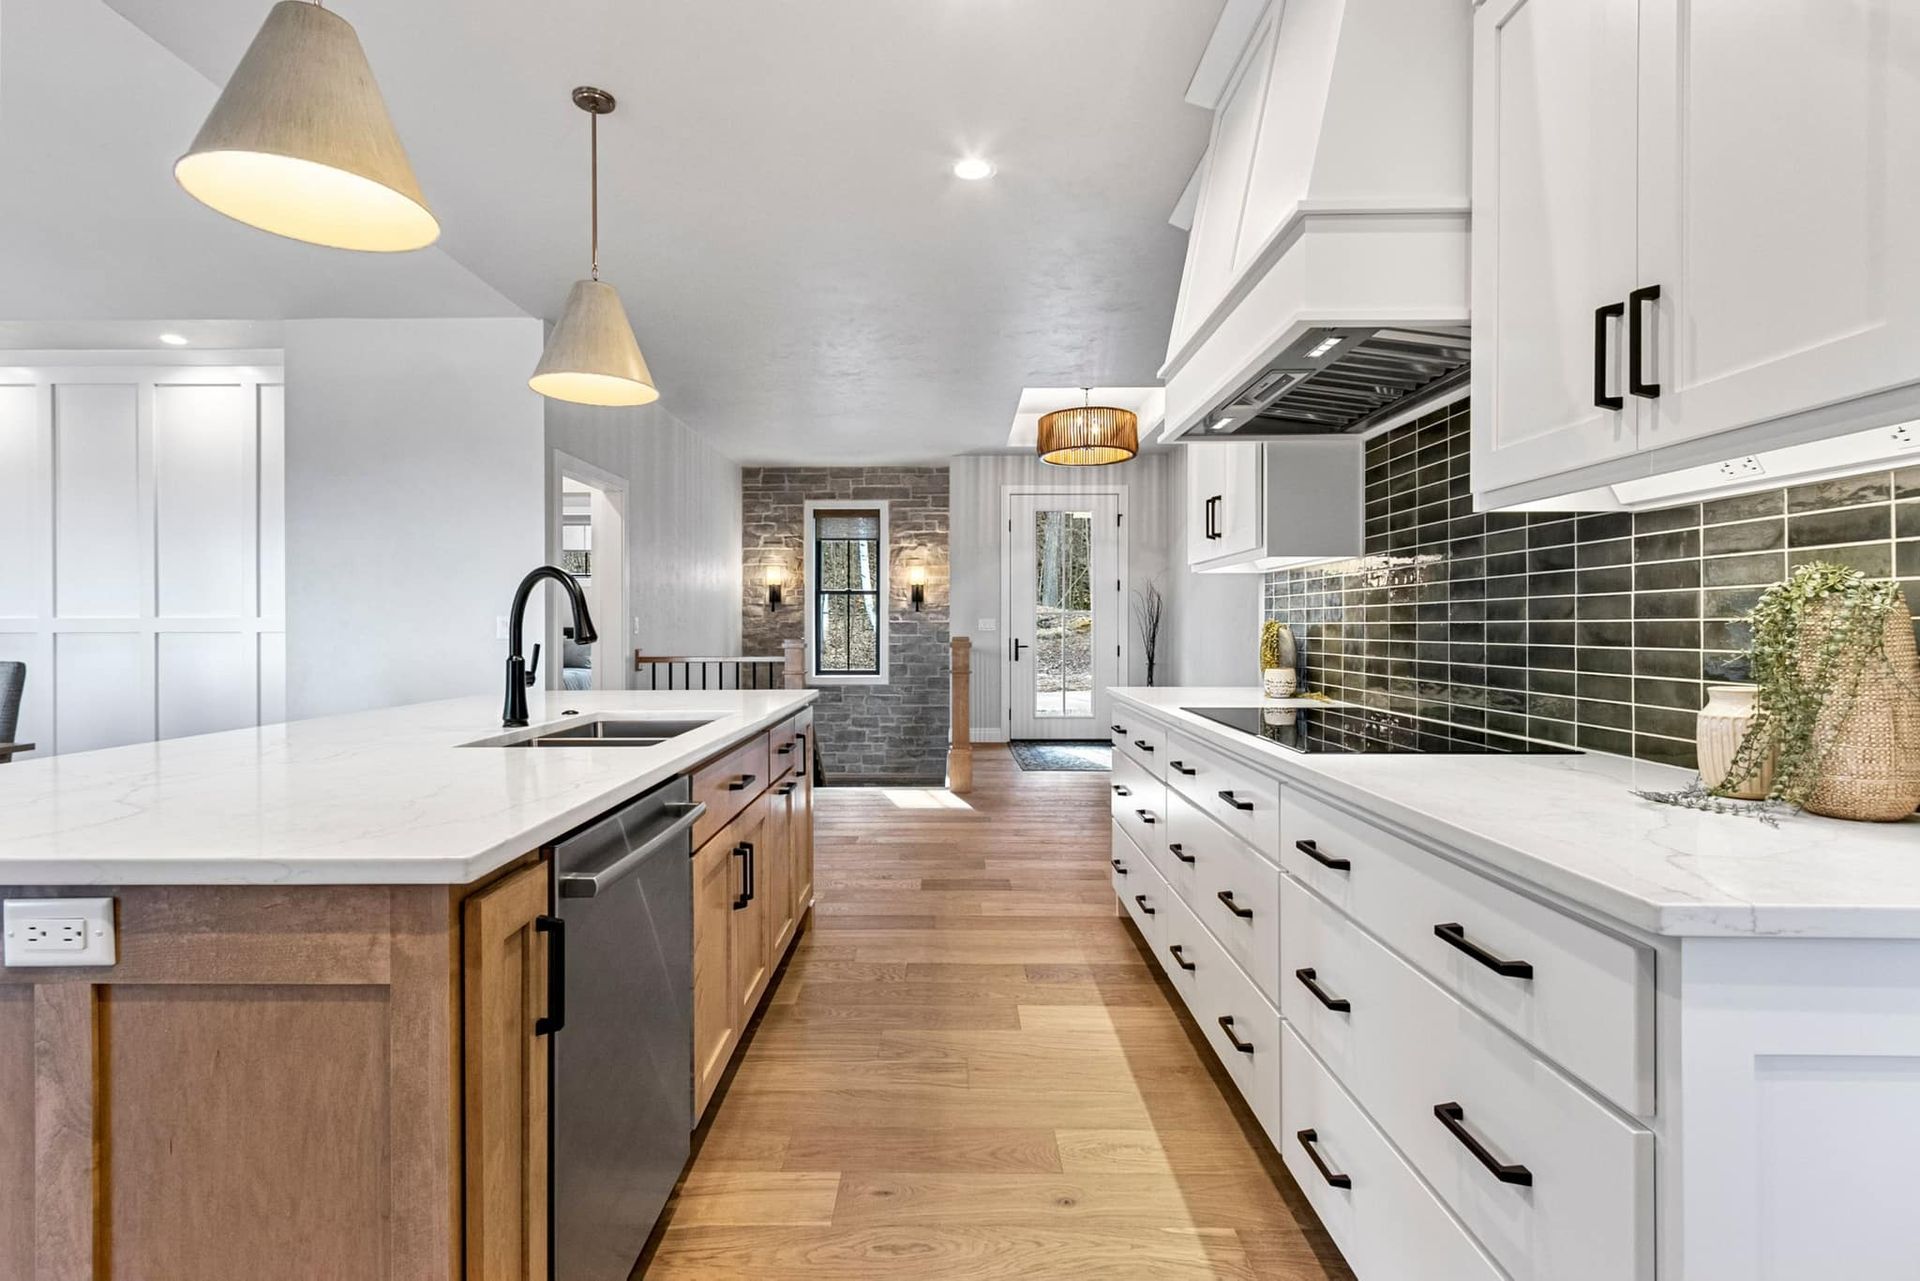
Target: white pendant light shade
[
  {"x": 591, "y": 356},
  {"x": 300, "y": 143}
]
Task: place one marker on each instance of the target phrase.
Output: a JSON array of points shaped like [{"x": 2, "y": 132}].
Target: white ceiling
[{"x": 808, "y": 280}]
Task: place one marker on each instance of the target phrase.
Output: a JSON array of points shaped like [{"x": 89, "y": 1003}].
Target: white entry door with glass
[{"x": 1064, "y": 637}]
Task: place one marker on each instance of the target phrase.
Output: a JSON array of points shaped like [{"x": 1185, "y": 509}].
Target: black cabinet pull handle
[
  {"x": 1454, "y": 935},
  {"x": 556, "y": 1015},
  {"x": 1119, "y": 790},
  {"x": 1309, "y": 980},
  {"x": 1636, "y": 344},
  {"x": 1226, "y": 1025},
  {"x": 786, "y": 789},
  {"x": 1118, "y": 866},
  {"x": 1226, "y": 896},
  {"x": 1234, "y": 801},
  {"x": 1312, "y": 850},
  {"x": 1601, "y": 315},
  {"x": 785, "y": 749},
  {"x": 1454, "y": 1117},
  {"x": 1179, "y": 851},
  {"x": 1146, "y": 816},
  {"x": 1308, "y": 1140},
  {"x": 744, "y": 852},
  {"x": 1119, "y": 729},
  {"x": 1141, "y": 899},
  {"x": 741, "y": 785},
  {"x": 1143, "y": 744},
  {"x": 1180, "y": 767},
  {"x": 1178, "y": 952}
]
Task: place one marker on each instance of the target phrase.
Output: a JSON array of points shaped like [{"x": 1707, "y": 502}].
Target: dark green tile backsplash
[{"x": 1596, "y": 629}]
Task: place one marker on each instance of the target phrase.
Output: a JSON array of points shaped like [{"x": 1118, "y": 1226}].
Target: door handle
[
  {"x": 1219, "y": 511},
  {"x": 587, "y": 884},
  {"x": 1454, "y": 1117},
  {"x": 1601, "y": 316},
  {"x": 1454, "y": 935},
  {"x": 556, "y": 1016},
  {"x": 1636, "y": 345},
  {"x": 1019, "y": 645},
  {"x": 1310, "y": 980},
  {"x": 1310, "y": 1139},
  {"x": 744, "y": 852}
]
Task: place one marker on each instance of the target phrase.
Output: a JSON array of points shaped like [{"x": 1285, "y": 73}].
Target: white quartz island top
[
  {"x": 379, "y": 797},
  {"x": 1571, "y": 826}
]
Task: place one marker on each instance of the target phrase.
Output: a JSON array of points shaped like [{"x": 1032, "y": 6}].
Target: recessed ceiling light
[
  {"x": 173, "y": 340},
  {"x": 972, "y": 168}
]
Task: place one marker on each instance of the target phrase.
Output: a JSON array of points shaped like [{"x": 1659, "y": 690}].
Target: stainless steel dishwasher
[{"x": 622, "y": 1068}]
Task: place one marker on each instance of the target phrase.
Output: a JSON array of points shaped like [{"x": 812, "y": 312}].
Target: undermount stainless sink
[{"x": 627, "y": 731}]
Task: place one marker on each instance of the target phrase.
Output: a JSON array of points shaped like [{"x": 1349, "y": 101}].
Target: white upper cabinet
[
  {"x": 1252, "y": 507},
  {"x": 1553, "y": 196},
  {"x": 1708, "y": 211}
]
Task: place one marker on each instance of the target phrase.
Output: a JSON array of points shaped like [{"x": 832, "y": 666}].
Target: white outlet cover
[
  {"x": 57, "y": 932},
  {"x": 989, "y": 624}
]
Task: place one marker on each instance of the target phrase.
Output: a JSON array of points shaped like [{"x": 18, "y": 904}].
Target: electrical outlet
[
  {"x": 499, "y": 626},
  {"x": 989, "y": 624},
  {"x": 57, "y": 931}
]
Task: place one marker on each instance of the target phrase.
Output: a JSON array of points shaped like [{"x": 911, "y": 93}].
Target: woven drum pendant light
[
  {"x": 300, "y": 144},
  {"x": 1090, "y": 436},
  {"x": 591, "y": 356}
]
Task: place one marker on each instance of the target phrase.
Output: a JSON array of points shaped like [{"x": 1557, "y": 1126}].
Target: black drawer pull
[
  {"x": 1454, "y": 1117},
  {"x": 556, "y": 1016},
  {"x": 1226, "y": 896},
  {"x": 1180, "y": 852},
  {"x": 785, "y": 749},
  {"x": 1141, "y": 899},
  {"x": 1226, "y": 1025},
  {"x": 1178, "y": 952},
  {"x": 1310, "y": 980},
  {"x": 1455, "y": 935},
  {"x": 741, "y": 784},
  {"x": 1146, "y": 816},
  {"x": 1180, "y": 767},
  {"x": 1234, "y": 801},
  {"x": 1601, "y": 315},
  {"x": 1119, "y": 790},
  {"x": 1312, "y": 851},
  {"x": 1143, "y": 744},
  {"x": 1636, "y": 342},
  {"x": 1118, "y": 866},
  {"x": 744, "y": 852},
  {"x": 1118, "y": 729},
  {"x": 1308, "y": 1138}
]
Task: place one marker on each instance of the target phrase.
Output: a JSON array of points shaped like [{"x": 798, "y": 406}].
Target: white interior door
[{"x": 1063, "y": 646}]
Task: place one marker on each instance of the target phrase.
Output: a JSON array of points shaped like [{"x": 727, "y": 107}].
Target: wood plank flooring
[{"x": 968, "y": 1070}]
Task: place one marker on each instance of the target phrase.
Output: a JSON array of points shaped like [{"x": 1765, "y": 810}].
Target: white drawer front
[
  {"x": 1573, "y": 1200},
  {"x": 1232, "y": 1014},
  {"x": 1386, "y": 1222},
  {"x": 1241, "y": 798},
  {"x": 1237, "y": 896},
  {"x": 1139, "y": 802},
  {"x": 1588, "y": 1002},
  {"x": 1187, "y": 829},
  {"x": 1142, "y": 739},
  {"x": 1320, "y": 966}
]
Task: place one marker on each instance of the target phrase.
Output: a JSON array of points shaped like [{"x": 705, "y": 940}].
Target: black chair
[{"x": 13, "y": 682}]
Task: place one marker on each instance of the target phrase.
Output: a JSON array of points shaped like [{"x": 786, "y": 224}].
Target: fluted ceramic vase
[{"x": 1722, "y": 723}]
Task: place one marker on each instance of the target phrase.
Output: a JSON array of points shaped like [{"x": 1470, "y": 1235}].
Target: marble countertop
[
  {"x": 380, "y": 797},
  {"x": 1572, "y": 826}
]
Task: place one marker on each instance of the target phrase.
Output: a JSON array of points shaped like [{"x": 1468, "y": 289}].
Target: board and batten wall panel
[
  {"x": 977, "y": 544},
  {"x": 139, "y": 513}
]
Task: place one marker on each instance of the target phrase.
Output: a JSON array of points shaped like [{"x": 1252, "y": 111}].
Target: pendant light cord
[{"x": 594, "y": 134}]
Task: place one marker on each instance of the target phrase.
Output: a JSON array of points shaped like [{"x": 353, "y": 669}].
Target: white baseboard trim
[{"x": 987, "y": 734}]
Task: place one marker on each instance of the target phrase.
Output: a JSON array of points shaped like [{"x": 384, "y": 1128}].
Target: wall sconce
[
  {"x": 917, "y": 579},
  {"x": 775, "y": 577}
]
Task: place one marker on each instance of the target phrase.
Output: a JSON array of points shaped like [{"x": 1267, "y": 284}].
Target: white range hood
[{"x": 1326, "y": 285}]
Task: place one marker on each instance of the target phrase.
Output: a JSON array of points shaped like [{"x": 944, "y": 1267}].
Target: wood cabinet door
[
  {"x": 779, "y": 869},
  {"x": 1554, "y": 207},
  {"x": 716, "y": 1028},
  {"x": 505, "y": 987},
  {"x": 752, "y": 917},
  {"x": 1779, "y": 209}
]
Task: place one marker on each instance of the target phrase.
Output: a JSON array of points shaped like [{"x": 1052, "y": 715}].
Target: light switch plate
[
  {"x": 57, "y": 931},
  {"x": 989, "y": 624}
]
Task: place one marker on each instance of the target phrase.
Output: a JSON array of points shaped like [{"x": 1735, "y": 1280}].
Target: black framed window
[{"x": 848, "y": 576}]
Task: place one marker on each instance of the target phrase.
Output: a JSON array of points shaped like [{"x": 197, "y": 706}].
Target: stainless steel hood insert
[{"x": 1332, "y": 380}]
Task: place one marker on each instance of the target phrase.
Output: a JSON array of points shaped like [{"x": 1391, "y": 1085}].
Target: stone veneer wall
[
  {"x": 1599, "y": 630},
  {"x": 895, "y": 732}
]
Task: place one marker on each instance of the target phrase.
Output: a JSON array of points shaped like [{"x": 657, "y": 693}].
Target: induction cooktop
[{"x": 1359, "y": 729}]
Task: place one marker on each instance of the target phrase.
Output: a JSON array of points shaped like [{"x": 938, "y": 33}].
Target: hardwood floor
[{"x": 969, "y": 1070}]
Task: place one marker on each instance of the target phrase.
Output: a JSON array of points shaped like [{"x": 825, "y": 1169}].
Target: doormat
[{"x": 1036, "y": 754}]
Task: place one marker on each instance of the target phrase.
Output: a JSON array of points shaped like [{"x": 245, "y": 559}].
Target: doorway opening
[
  {"x": 588, "y": 539},
  {"x": 1066, "y": 642}
]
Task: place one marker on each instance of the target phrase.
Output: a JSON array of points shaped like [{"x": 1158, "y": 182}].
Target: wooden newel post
[
  {"x": 960, "y": 754},
  {"x": 795, "y": 675}
]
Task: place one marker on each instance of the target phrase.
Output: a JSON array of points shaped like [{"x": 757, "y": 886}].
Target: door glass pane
[{"x": 1063, "y": 613}]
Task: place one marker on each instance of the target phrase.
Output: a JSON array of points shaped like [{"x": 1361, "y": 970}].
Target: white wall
[
  {"x": 1214, "y": 618},
  {"x": 683, "y": 523},
  {"x": 416, "y": 499},
  {"x": 140, "y": 552},
  {"x": 977, "y": 544}
]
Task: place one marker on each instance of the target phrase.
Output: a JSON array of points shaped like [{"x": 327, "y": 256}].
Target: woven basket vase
[{"x": 1872, "y": 771}]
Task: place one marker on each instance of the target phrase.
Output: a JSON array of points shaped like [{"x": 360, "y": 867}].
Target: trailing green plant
[
  {"x": 1276, "y": 646},
  {"x": 1844, "y": 614}
]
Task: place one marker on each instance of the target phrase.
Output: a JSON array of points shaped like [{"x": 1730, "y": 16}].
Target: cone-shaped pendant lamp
[
  {"x": 1090, "y": 436},
  {"x": 591, "y": 356},
  {"x": 300, "y": 144}
]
